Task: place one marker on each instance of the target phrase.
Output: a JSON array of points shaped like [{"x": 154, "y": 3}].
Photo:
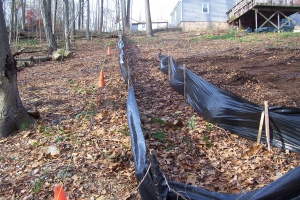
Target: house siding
[
  {"x": 176, "y": 15},
  {"x": 188, "y": 14},
  {"x": 192, "y": 10}
]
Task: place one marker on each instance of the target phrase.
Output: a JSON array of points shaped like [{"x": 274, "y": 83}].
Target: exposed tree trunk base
[{"x": 13, "y": 115}]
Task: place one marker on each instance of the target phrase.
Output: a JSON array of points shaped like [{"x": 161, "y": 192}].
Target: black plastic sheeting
[
  {"x": 232, "y": 112},
  {"x": 154, "y": 185}
]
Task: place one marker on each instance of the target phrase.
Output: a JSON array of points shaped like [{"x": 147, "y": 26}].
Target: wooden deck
[{"x": 244, "y": 6}]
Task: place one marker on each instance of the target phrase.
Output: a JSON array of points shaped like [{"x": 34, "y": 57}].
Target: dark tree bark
[
  {"x": 13, "y": 116},
  {"x": 46, "y": 14},
  {"x": 149, "y": 31}
]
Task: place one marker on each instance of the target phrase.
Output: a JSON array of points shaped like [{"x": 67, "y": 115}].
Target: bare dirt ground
[{"x": 88, "y": 124}]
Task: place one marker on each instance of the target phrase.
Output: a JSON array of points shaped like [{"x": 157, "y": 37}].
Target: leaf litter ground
[
  {"x": 85, "y": 123},
  {"x": 255, "y": 67},
  {"x": 89, "y": 126}
]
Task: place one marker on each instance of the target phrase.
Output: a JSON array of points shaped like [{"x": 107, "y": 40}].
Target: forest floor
[{"x": 88, "y": 125}]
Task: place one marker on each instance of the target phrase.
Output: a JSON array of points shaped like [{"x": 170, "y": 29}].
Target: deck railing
[{"x": 245, "y": 5}]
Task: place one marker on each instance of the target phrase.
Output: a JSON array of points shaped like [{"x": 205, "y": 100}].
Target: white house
[
  {"x": 141, "y": 25},
  {"x": 197, "y": 15}
]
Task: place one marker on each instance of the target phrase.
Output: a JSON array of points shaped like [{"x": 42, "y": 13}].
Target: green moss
[{"x": 26, "y": 122}]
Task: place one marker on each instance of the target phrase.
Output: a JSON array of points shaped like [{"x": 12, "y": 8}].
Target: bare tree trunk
[
  {"x": 12, "y": 20},
  {"x": 82, "y": 14},
  {"x": 97, "y": 18},
  {"x": 16, "y": 23},
  {"x": 23, "y": 4},
  {"x": 54, "y": 18},
  {"x": 126, "y": 13},
  {"x": 73, "y": 18},
  {"x": 149, "y": 31},
  {"x": 79, "y": 15},
  {"x": 123, "y": 5},
  {"x": 87, "y": 20},
  {"x": 128, "y": 17},
  {"x": 101, "y": 17},
  {"x": 118, "y": 15},
  {"x": 46, "y": 14},
  {"x": 13, "y": 116},
  {"x": 66, "y": 25}
]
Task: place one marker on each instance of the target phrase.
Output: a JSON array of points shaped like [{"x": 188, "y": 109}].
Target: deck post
[
  {"x": 256, "y": 20},
  {"x": 278, "y": 18}
]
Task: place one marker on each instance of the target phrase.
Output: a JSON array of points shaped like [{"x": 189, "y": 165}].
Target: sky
[{"x": 160, "y": 9}]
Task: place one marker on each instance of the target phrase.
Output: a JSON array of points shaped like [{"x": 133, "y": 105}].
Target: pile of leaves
[{"x": 189, "y": 149}]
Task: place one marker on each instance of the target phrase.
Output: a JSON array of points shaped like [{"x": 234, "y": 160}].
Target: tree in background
[
  {"x": 79, "y": 15},
  {"x": 23, "y": 5},
  {"x": 54, "y": 18},
  {"x": 149, "y": 31},
  {"x": 13, "y": 116},
  {"x": 82, "y": 13},
  {"x": 126, "y": 13},
  {"x": 73, "y": 18},
  {"x": 32, "y": 17},
  {"x": 101, "y": 17},
  {"x": 123, "y": 6},
  {"x": 87, "y": 28},
  {"x": 66, "y": 25},
  {"x": 12, "y": 20},
  {"x": 46, "y": 14}
]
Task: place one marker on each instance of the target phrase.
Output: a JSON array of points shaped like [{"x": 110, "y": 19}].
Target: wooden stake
[
  {"x": 267, "y": 128},
  {"x": 260, "y": 127},
  {"x": 128, "y": 75},
  {"x": 184, "y": 81}
]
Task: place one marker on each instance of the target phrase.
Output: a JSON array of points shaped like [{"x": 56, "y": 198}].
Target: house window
[{"x": 205, "y": 8}]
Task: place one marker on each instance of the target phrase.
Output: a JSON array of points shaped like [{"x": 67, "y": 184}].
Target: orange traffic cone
[
  {"x": 101, "y": 79},
  {"x": 59, "y": 193},
  {"x": 108, "y": 51}
]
